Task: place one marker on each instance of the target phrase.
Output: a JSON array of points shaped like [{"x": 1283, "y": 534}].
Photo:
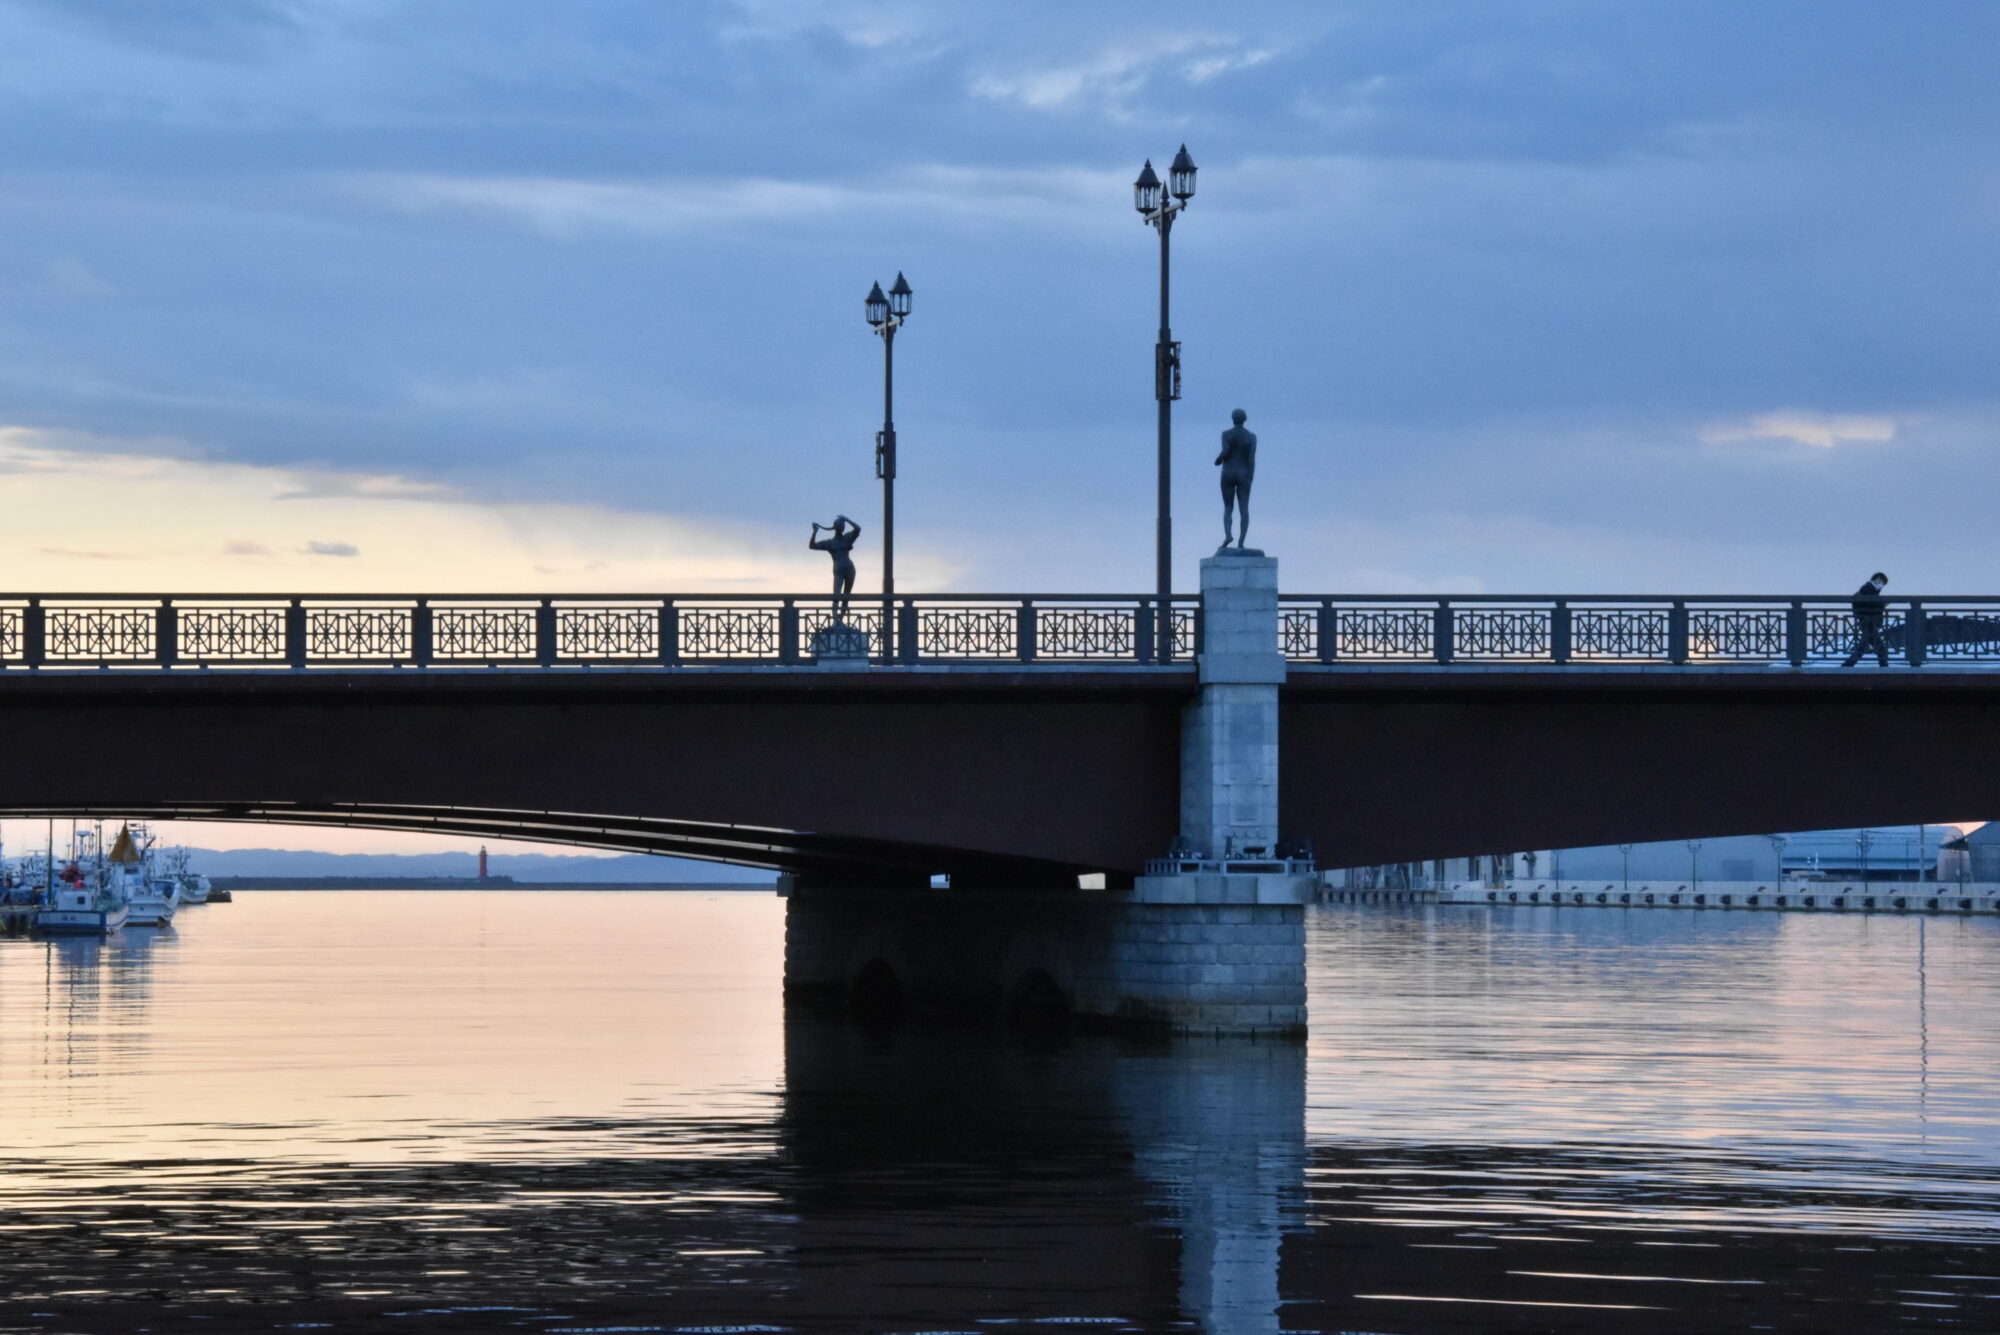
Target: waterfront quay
[{"x": 1740, "y": 896}]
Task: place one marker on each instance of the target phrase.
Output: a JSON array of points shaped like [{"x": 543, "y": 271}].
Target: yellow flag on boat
[{"x": 125, "y": 850}]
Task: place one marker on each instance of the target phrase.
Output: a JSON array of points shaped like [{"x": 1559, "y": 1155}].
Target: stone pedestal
[
  {"x": 840, "y": 647},
  {"x": 1229, "y": 736}
]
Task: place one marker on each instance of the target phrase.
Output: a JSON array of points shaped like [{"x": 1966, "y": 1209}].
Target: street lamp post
[
  {"x": 1159, "y": 211},
  {"x": 886, "y": 314}
]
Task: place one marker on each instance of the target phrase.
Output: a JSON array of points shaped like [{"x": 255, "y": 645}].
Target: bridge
[{"x": 1013, "y": 744}]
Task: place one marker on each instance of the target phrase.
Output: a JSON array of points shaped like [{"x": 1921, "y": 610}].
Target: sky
[{"x": 499, "y": 295}]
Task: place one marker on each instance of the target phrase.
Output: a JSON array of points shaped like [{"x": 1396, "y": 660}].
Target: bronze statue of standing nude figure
[
  {"x": 1239, "y": 468},
  {"x": 838, "y": 543}
]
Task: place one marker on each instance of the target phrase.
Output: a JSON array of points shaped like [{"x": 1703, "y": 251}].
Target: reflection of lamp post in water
[
  {"x": 1694, "y": 864},
  {"x": 1625, "y": 864},
  {"x": 886, "y": 314},
  {"x": 1864, "y": 839}
]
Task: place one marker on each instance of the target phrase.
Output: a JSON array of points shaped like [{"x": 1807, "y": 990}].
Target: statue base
[
  {"x": 1227, "y": 549},
  {"x": 840, "y": 646}
]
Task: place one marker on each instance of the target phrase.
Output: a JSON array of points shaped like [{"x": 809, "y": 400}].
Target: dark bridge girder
[
  {"x": 992, "y": 775},
  {"x": 1009, "y": 776},
  {"x": 1421, "y": 763}
]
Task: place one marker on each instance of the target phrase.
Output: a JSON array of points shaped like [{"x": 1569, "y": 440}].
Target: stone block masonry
[
  {"x": 1229, "y": 735},
  {"x": 1184, "y": 968}
]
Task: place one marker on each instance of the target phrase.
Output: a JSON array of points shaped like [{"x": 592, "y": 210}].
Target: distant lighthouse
[{"x": 482, "y": 862}]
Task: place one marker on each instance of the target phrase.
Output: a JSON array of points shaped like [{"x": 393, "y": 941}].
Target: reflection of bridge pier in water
[{"x": 1150, "y": 1183}]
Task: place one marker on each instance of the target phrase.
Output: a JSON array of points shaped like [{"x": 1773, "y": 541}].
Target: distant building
[
  {"x": 1888, "y": 853},
  {"x": 1983, "y": 845}
]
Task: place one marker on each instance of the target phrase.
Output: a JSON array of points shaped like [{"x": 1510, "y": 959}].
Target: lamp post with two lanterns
[
  {"x": 886, "y": 313},
  {"x": 1158, "y": 211}
]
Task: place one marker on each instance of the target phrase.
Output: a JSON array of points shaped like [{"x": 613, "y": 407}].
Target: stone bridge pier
[{"x": 1210, "y": 938}]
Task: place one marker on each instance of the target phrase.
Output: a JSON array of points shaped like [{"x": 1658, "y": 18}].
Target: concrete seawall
[{"x": 1741, "y": 896}]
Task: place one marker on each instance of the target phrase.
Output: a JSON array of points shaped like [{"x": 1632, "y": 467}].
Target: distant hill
[{"x": 623, "y": 869}]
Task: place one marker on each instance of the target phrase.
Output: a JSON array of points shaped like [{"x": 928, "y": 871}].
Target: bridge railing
[
  {"x": 105, "y": 631},
  {"x": 1387, "y": 629}
]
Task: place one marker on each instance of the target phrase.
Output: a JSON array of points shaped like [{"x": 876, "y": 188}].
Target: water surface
[{"x": 581, "y": 1111}]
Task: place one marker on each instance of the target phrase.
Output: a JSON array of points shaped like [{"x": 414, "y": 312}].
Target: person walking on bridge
[{"x": 1868, "y": 608}]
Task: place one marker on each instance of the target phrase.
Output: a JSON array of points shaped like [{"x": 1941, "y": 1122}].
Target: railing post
[
  {"x": 420, "y": 633},
  {"x": 1559, "y": 631},
  {"x": 1200, "y": 629},
  {"x": 906, "y": 632},
  {"x": 166, "y": 633},
  {"x": 1677, "y": 633},
  {"x": 788, "y": 633},
  {"x": 1142, "y": 627},
  {"x": 1441, "y": 633},
  {"x": 1915, "y": 635},
  {"x": 1024, "y": 635},
  {"x": 295, "y": 633},
  {"x": 1327, "y": 633},
  {"x": 1795, "y": 633},
  {"x": 545, "y": 633},
  {"x": 670, "y": 633},
  {"x": 34, "y": 634}
]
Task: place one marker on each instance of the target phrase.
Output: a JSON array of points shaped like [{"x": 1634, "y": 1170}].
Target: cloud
[
  {"x": 67, "y": 276},
  {"x": 561, "y": 204},
  {"x": 193, "y": 523},
  {"x": 1823, "y": 430},
  {"x": 82, "y": 554},
  {"x": 323, "y": 485},
  {"x": 1116, "y": 75}
]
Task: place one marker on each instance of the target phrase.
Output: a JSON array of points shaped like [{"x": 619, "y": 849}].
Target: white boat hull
[
  {"x": 151, "y": 911},
  {"x": 82, "y": 922}
]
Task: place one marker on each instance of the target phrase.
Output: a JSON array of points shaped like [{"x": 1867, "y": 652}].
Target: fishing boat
[
  {"x": 81, "y": 903},
  {"x": 153, "y": 897},
  {"x": 194, "y": 887}
]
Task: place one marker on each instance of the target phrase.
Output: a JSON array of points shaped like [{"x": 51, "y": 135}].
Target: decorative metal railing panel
[
  {"x": 483, "y": 634},
  {"x": 102, "y": 634},
  {"x": 1751, "y": 634},
  {"x": 1087, "y": 633},
  {"x": 1614, "y": 633},
  {"x": 1504, "y": 633},
  {"x": 721, "y": 630},
  {"x": 232, "y": 634},
  {"x": 608, "y": 634},
  {"x": 359, "y": 634},
  {"x": 1385, "y": 632},
  {"x": 1298, "y": 633},
  {"x": 729, "y": 632},
  {"x": 969, "y": 632}
]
